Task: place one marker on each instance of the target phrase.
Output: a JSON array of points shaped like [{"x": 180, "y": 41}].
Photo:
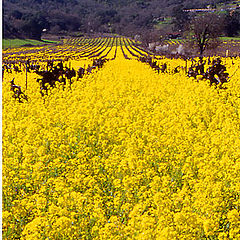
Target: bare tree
[
  {"x": 205, "y": 31},
  {"x": 152, "y": 36}
]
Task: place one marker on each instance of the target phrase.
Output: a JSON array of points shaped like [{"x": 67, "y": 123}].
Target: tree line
[{"x": 28, "y": 18}]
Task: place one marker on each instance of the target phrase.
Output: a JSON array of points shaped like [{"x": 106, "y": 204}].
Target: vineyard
[{"x": 102, "y": 139}]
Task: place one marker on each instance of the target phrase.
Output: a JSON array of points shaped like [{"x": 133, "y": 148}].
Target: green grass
[
  {"x": 11, "y": 43},
  {"x": 176, "y": 40},
  {"x": 166, "y": 21},
  {"x": 226, "y": 39},
  {"x": 230, "y": 38}
]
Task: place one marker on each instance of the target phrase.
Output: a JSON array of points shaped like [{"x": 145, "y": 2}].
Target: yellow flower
[{"x": 123, "y": 153}]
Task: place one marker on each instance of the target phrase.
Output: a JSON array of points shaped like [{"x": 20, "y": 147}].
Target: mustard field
[{"x": 123, "y": 152}]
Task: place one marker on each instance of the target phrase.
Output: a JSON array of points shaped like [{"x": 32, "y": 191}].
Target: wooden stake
[
  {"x": 186, "y": 66},
  {"x": 26, "y": 75},
  {"x": 227, "y": 52}
]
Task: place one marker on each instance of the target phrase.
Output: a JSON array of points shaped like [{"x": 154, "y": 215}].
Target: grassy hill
[{"x": 10, "y": 43}]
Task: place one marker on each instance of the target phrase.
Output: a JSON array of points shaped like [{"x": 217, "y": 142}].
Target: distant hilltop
[{"x": 32, "y": 18}]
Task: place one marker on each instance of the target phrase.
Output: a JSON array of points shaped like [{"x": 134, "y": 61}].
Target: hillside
[{"x": 27, "y": 18}]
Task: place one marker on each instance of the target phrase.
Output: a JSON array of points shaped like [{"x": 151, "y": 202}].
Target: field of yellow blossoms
[{"x": 124, "y": 153}]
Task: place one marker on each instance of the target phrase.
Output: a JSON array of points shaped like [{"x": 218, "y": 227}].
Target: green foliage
[
  {"x": 232, "y": 27},
  {"x": 34, "y": 26}
]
